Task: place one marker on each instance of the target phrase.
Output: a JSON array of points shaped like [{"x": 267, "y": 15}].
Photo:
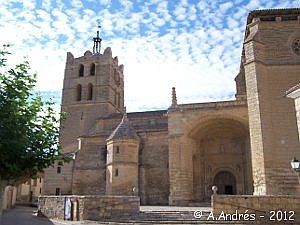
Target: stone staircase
[{"x": 167, "y": 215}]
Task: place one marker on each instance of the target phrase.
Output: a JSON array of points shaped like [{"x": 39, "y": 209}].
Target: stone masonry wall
[
  {"x": 153, "y": 168},
  {"x": 92, "y": 207},
  {"x": 89, "y": 167},
  {"x": 61, "y": 179},
  {"x": 271, "y": 68},
  {"x": 268, "y": 209}
]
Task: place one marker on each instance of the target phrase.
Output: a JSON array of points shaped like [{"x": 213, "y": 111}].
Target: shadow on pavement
[{"x": 24, "y": 216}]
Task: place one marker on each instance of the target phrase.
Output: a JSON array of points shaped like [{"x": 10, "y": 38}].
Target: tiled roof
[
  {"x": 139, "y": 114},
  {"x": 150, "y": 127},
  {"x": 147, "y": 114},
  {"x": 124, "y": 131}
]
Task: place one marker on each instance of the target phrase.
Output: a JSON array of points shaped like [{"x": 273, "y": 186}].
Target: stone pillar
[
  {"x": 180, "y": 171},
  {"x": 174, "y": 98}
]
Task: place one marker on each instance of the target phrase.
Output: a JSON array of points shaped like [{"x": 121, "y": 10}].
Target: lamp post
[{"x": 295, "y": 165}]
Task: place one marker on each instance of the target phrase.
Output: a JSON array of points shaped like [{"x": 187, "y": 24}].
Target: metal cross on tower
[{"x": 97, "y": 41}]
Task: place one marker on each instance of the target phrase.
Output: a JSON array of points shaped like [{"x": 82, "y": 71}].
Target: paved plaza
[{"x": 22, "y": 215}]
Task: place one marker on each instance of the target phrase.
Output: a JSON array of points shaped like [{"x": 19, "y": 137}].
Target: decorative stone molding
[{"x": 296, "y": 46}]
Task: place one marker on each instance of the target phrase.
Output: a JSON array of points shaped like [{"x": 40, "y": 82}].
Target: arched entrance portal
[
  {"x": 221, "y": 157},
  {"x": 226, "y": 183}
]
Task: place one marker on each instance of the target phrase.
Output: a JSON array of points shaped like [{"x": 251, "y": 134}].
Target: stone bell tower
[{"x": 93, "y": 88}]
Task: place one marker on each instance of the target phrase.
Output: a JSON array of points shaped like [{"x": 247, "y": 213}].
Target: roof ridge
[{"x": 124, "y": 131}]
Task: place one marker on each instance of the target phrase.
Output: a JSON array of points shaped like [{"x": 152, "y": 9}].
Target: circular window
[{"x": 296, "y": 46}]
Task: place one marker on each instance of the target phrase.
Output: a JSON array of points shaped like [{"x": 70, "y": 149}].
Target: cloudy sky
[{"x": 192, "y": 45}]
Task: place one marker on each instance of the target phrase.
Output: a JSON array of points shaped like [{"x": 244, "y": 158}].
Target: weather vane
[
  {"x": 98, "y": 21},
  {"x": 97, "y": 41}
]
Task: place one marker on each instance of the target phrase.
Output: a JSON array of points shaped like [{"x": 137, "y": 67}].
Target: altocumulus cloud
[{"x": 192, "y": 45}]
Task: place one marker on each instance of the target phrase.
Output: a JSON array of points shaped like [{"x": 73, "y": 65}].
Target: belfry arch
[{"x": 220, "y": 150}]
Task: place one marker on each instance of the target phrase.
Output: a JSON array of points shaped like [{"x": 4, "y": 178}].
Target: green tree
[{"x": 29, "y": 127}]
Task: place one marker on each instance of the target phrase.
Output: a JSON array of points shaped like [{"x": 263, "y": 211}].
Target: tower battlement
[{"x": 105, "y": 58}]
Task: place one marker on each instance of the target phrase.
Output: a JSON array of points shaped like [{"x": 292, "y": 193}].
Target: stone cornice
[
  {"x": 210, "y": 105},
  {"x": 121, "y": 163}
]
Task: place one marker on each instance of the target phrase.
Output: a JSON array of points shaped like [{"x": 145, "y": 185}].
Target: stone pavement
[{"x": 21, "y": 215}]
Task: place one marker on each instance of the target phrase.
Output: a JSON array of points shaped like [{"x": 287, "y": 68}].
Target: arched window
[
  {"x": 93, "y": 69},
  {"x": 115, "y": 99},
  {"x": 89, "y": 91},
  {"x": 115, "y": 74},
  {"x": 78, "y": 92},
  {"x": 119, "y": 100},
  {"x": 81, "y": 70}
]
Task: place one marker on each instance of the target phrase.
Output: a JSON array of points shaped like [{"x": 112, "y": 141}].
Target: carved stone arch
[
  {"x": 226, "y": 181},
  {"x": 219, "y": 142},
  {"x": 89, "y": 91},
  {"x": 192, "y": 128},
  {"x": 218, "y": 170},
  {"x": 81, "y": 70},
  {"x": 92, "y": 69},
  {"x": 78, "y": 92}
]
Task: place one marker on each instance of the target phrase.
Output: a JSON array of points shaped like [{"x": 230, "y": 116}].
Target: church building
[{"x": 175, "y": 156}]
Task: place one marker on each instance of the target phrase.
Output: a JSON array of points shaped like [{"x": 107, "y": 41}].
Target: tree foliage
[{"x": 29, "y": 127}]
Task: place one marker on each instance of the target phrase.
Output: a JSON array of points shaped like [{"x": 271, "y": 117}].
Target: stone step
[
  {"x": 169, "y": 217},
  {"x": 203, "y": 222}
]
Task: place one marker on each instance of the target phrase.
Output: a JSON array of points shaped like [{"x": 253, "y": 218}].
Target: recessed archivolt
[
  {"x": 224, "y": 169},
  {"x": 217, "y": 124}
]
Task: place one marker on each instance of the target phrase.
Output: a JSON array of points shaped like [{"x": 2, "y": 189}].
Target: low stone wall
[
  {"x": 93, "y": 207},
  {"x": 268, "y": 209}
]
